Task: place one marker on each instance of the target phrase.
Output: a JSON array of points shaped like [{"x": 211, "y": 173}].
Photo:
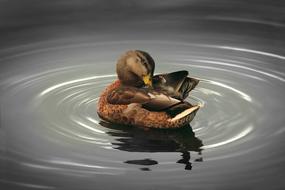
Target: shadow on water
[{"x": 134, "y": 139}]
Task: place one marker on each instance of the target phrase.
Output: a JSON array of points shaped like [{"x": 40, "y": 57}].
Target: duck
[{"x": 140, "y": 98}]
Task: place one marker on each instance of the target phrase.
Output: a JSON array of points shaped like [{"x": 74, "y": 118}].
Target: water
[{"x": 52, "y": 138}]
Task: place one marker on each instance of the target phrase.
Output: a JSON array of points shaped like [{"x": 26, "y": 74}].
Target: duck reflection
[{"x": 134, "y": 139}]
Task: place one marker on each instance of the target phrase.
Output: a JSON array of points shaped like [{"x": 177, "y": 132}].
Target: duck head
[{"x": 135, "y": 68}]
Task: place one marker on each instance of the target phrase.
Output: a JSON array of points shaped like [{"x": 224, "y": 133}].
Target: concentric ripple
[{"x": 50, "y": 125}]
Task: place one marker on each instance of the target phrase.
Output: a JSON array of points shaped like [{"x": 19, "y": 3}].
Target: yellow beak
[{"x": 147, "y": 80}]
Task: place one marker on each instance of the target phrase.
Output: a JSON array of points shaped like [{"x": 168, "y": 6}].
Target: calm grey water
[{"x": 57, "y": 57}]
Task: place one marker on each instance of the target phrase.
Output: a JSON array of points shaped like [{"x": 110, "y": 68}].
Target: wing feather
[
  {"x": 150, "y": 99},
  {"x": 128, "y": 95},
  {"x": 175, "y": 84}
]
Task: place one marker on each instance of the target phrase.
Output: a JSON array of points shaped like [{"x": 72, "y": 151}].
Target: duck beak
[{"x": 147, "y": 80}]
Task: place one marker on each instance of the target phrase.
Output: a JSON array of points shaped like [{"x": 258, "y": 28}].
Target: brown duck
[{"x": 139, "y": 98}]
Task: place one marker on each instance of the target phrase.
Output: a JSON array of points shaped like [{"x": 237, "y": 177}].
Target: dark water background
[{"x": 57, "y": 56}]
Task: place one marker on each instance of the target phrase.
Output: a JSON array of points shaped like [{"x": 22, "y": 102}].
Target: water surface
[{"x": 51, "y": 78}]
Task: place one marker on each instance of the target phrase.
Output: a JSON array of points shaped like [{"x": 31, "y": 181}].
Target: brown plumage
[
  {"x": 140, "y": 99},
  {"x": 134, "y": 114}
]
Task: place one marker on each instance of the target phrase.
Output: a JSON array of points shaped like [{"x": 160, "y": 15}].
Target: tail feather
[
  {"x": 186, "y": 113},
  {"x": 187, "y": 85},
  {"x": 178, "y": 108}
]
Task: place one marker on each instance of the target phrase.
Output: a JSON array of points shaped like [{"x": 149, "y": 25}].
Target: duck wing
[
  {"x": 175, "y": 84},
  {"x": 148, "y": 98},
  {"x": 127, "y": 95}
]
